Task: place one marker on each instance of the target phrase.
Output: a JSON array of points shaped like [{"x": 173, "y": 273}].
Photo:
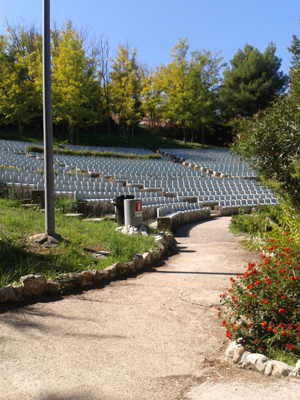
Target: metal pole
[{"x": 48, "y": 135}]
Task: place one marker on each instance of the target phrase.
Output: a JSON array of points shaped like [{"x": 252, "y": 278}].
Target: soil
[{"x": 155, "y": 336}]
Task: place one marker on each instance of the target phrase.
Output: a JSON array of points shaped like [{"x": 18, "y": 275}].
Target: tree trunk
[
  {"x": 77, "y": 134},
  {"x": 108, "y": 123},
  {"x": 203, "y": 130},
  {"x": 184, "y": 135},
  {"x": 192, "y": 138},
  {"x": 126, "y": 134},
  {"x": 132, "y": 135},
  {"x": 21, "y": 131},
  {"x": 35, "y": 125},
  {"x": 71, "y": 133}
]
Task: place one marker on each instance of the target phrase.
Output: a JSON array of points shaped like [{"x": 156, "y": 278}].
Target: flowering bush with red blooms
[{"x": 263, "y": 304}]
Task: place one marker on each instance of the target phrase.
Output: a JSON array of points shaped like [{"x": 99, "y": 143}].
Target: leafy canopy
[{"x": 252, "y": 82}]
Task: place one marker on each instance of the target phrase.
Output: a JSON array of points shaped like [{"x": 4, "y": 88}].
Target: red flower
[
  {"x": 249, "y": 325},
  {"x": 283, "y": 333},
  {"x": 280, "y": 310},
  {"x": 255, "y": 341},
  {"x": 257, "y": 283},
  {"x": 249, "y": 286},
  {"x": 269, "y": 328}
]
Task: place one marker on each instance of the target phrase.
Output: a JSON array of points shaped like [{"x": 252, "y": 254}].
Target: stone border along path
[
  {"x": 33, "y": 286},
  {"x": 155, "y": 336}
]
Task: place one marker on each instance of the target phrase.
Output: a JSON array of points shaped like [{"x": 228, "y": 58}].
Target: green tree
[
  {"x": 20, "y": 94},
  {"x": 204, "y": 80},
  {"x": 100, "y": 55},
  {"x": 174, "y": 84},
  {"x": 73, "y": 81},
  {"x": 295, "y": 50},
  {"x": 151, "y": 95},
  {"x": 125, "y": 89},
  {"x": 252, "y": 82},
  {"x": 190, "y": 89}
]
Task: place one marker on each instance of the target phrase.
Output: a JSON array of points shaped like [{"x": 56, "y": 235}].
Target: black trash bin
[{"x": 118, "y": 202}]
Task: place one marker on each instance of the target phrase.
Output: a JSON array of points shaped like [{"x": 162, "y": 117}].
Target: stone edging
[
  {"x": 241, "y": 358},
  {"x": 37, "y": 285}
]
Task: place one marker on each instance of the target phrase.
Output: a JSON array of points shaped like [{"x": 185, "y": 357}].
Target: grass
[
  {"x": 143, "y": 139},
  {"x": 88, "y": 153},
  {"x": 255, "y": 226},
  {"x": 18, "y": 258},
  {"x": 283, "y": 356}
]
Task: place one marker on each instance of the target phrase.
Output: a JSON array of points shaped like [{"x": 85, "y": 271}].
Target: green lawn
[{"x": 18, "y": 258}]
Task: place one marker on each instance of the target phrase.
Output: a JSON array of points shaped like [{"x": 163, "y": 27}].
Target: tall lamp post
[{"x": 47, "y": 124}]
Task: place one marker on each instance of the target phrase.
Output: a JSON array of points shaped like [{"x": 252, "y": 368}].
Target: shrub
[
  {"x": 262, "y": 306},
  {"x": 270, "y": 143},
  {"x": 66, "y": 205}
]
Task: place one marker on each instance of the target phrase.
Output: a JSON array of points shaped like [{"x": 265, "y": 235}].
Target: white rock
[
  {"x": 132, "y": 230},
  {"x": 296, "y": 370},
  {"x": 33, "y": 284},
  {"x": 147, "y": 257},
  {"x": 278, "y": 369},
  {"x": 124, "y": 230},
  {"x": 7, "y": 293},
  {"x": 159, "y": 238},
  {"x": 255, "y": 362},
  {"x": 138, "y": 261},
  {"x": 237, "y": 354},
  {"x": 230, "y": 350}
]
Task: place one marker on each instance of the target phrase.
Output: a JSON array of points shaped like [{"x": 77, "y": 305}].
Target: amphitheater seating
[{"x": 92, "y": 179}]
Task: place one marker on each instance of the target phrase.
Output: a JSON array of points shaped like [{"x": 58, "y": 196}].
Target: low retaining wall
[
  {"x": 172, "y": 221},
  {"x": 37, "y": 285},
  {"x": 226, "y": 211},
  {"x": 239, "y": 356}
]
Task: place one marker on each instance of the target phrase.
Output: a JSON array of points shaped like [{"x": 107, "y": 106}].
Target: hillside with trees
[{"x": 191, "y": 98}]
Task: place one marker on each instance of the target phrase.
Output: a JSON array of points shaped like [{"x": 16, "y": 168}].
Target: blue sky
[{"x": 153, "y": 26}]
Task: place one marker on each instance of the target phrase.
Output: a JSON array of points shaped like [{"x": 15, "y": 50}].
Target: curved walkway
[{"x": 152, "y": 337}]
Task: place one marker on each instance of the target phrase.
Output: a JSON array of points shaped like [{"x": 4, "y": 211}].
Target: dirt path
[{"x": 155, "y": 336}]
